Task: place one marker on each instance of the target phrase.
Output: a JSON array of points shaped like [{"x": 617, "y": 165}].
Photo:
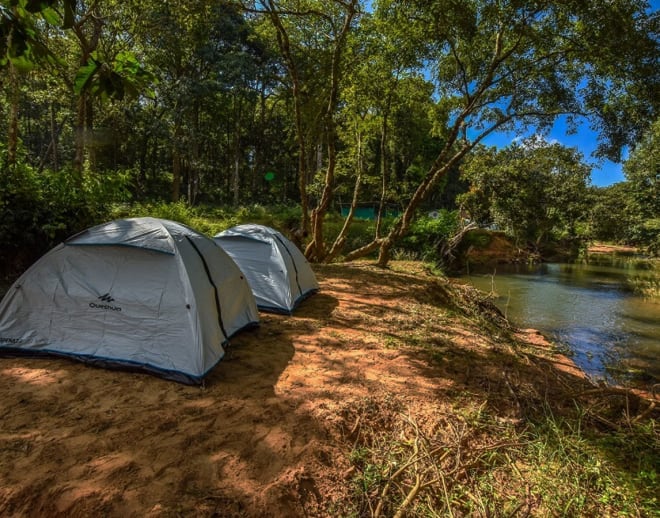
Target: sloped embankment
[{"x": 388, "y": 392}]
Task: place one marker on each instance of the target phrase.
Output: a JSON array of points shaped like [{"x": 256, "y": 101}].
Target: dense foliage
[
  {"x": 536, "y": 192},
  {"x": 629, "y": 212},
  {"x": 642, "y": 172},
  {"x": 42, "y": 209},
  {"x": 308, "y": 103}
]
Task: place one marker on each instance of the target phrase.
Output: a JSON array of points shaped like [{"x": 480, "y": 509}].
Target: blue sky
[{"x": 604, "y": 172}]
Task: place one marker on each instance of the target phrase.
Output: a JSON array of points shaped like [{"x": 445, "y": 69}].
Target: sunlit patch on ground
[{"x": 34, "y": 376}]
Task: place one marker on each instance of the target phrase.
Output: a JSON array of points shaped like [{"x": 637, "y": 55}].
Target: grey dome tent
[
  {"x": 139, "y": 293},
  {"x": 278, "y": 273}
]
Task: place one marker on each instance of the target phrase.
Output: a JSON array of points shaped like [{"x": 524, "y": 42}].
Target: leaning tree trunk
[
  {"x": 446, "y": 249},
  {"x": 440, "y": 167},
  {"x": 340, "y": 240},
  {"x": 316, "y": 251},
  {"x": 449, "y": 156},
  {"x": 424, "y": 190},
  {"x": 383, "y": 172}
]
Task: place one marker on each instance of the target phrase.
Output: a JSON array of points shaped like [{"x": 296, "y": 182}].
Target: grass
[
  {"x": 211, "y": 220},
  {"x": 514, "y": 441},
  {"x": 420, "y": 244},
  {"x": 470, "y": 462},
  {"x": 647, "y": 285},
  {"x": 518, "y": 439}
]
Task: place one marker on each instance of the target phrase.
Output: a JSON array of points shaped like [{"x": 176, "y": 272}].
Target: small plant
[
  {"x": 426, "y": 236},
  {"x": 648, "y": 284},
  {"x": 470, "y": 460},
  {"x": 42, "y": 209}
]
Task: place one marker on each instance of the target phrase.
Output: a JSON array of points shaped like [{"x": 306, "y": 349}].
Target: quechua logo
[
  {"x": 4, "y": 339},
  {"x": 106, "y": 299}
]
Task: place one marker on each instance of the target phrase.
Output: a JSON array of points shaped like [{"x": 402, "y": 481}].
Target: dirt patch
[
  {"x": 605, "y": 248},
  {"x": 482, "y": 247},
  {"x": 271, "y": 431}
]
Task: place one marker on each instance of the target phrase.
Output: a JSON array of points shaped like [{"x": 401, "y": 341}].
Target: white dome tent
[
  {"x": 140, "y": 293},
  {"x": 277, "y": 271}
]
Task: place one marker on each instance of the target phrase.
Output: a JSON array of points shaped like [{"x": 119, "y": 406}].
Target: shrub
[
  {"x": 427, "y": 235},
  {"x": 42, "y": 209}
]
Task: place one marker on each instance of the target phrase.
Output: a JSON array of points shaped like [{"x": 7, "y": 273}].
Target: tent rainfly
[
  {"x": 141, "y": 293},
  {"x": 278, "y": 273}
]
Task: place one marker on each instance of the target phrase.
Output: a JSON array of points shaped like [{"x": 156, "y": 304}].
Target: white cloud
[{"x": 534, "y": 141}]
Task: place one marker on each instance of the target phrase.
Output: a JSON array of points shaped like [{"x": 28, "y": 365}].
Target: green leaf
[
  {"x": 85, "y": 75},
  {"x": 126, "y": 62},
  {"x": 51, "y": 16},
  {"x": 22, "y": 63}
]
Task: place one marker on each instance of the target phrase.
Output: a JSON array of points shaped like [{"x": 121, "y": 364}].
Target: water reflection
[{"x": 589, "y": 308}]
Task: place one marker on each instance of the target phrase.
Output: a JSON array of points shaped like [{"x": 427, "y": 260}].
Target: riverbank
[
  {"x": 483, "y": 248},
  {"x": 608, "y": 248},
  {"x": 389, "y": 391},
  {"x": 647, "y": 283}
]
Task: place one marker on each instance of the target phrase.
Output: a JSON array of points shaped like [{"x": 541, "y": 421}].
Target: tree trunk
[
  {"x": 142, "y": 172},
  {"x": 383, "y": 172},
  {"x": 176, "y": 176},
  {"x": 448, "y": 157},
  {"x": 90, "y": 142},
  {"x": 439, "y": 168},
  {"x": 85, "y": 116},
  {"x": 384, "y": 254},
  {"x": 364, "y": 250},
  {"x": 52, "y": 145},
  {"x": 54, "y": 136},
  {"x": 316, "y": 249},
  {"x": 285, "y": 47},
  {"x": 446, "y": 249},
  {"x": 176, "y": 164},
  {"x": 340, "y": 240},
  {"x": 12, "y": 137},
  {"x": 194, "y": 162},
  {"x": 14, "y": 97},
  {"x": 236, "y": 177},
  {"x": 236, "y": 172},
  {"x": 80, "y": 134}
]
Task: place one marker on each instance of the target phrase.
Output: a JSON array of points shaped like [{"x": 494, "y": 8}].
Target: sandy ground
[
  {"x": 268, "y": 434},
  {"x": 605, "y": 248}
]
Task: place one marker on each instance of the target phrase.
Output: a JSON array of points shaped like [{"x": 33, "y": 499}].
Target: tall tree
[
  {"x": 642, "y": 172},
  {"x": 207, "y": 61},
  {"x": 60, "y": 38},
  {"x": 316, "y": 30},
  {"x": 535, "y": 191},
  {"x": 316, "y": 249},
  {"x": 386, "y": 93},
  {"x": 511, "y": 64},
  {"x": 21, "y": 49}
]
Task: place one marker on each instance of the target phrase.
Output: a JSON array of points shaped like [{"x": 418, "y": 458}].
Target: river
[{"x": 589, "y": 309}]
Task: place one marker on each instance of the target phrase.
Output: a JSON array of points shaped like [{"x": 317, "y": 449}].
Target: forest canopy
[{"x": 318, "y": 104}]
